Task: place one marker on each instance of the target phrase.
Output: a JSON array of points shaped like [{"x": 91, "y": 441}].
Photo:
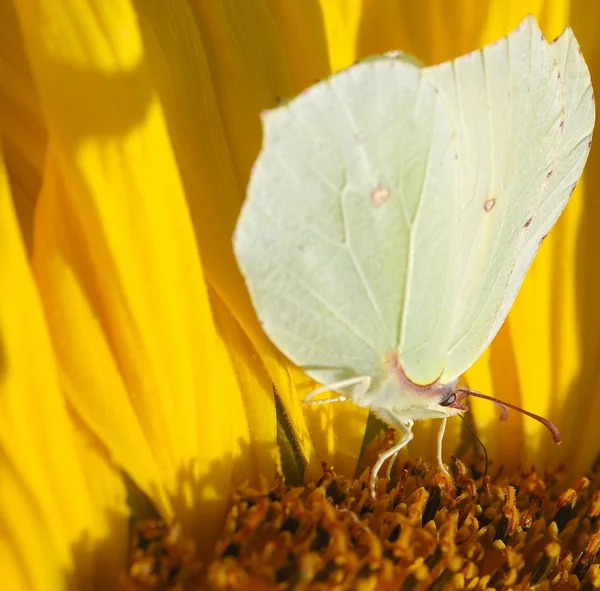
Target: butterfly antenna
[
  {"x": 505, "y": 405},
  {"x": 485, "y": 454}
]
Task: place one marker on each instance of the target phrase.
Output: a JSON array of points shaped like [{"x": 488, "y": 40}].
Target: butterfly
[{"x": 394, "y": 210}]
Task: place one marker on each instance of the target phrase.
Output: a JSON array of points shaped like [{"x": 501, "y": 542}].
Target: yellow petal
[
  {"x": 63, "y": 520},
  {"x": 496, "y": 373},
  {"x": 302, "y": 31},
  {"x": 21, "y": 126},
  {"x": 256, "y": 389},
  {"x": 118, "y": 269},
  {"x": 244, "y": 61},
  {"x": 342, "y": 19},
  {"x": 579, "y": 377},
  {"x": 435, "y": 31}
]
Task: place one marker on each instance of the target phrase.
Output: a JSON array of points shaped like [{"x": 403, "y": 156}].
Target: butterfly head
[
  {"x": 436, "y": 400},
  {"x": 453, "y": 400}
]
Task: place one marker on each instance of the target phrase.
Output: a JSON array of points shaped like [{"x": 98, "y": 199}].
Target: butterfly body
[{"x": 395, "y": 395}]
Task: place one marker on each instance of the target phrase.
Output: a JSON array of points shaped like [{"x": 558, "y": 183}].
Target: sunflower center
[{"x": 425, "y": 530}]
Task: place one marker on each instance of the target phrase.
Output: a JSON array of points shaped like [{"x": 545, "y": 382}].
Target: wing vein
[
  {"x": 359, "y": 272},
  {"x": 312, "y": 292},
  {"x": 357, "y": 267},
  {"x": 409, "y": 263}
]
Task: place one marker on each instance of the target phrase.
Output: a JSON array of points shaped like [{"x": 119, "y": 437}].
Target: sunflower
[{"x": 135, "y": 381}]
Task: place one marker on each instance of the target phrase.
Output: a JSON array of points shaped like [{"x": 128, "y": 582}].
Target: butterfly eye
[{"x": 450, "y": 400}]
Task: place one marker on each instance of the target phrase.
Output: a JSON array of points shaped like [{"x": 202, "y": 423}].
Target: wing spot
[
  {"x": 379, "y": 195},
  {"x": 489, "y": 204},
  {"x": 549, "y": 174},
  {"x": 527, "y": 223}
]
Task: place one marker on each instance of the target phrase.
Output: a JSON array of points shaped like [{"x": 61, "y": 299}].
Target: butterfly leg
[
  {"x": 339, "y": 398},
  {"x": 388, "y": 472},
  {"x": 440, "y": 438},
  {"x": 365, "y": 381},
  {"x": 405, "y": 427}
]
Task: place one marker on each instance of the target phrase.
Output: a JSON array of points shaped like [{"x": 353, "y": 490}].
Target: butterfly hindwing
[{"x": 326, "y": 239}]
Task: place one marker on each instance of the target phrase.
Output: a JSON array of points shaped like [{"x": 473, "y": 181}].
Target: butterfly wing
[
  {"x": 510, "y": 101},
  {"x": 346, "y": 227},
  {"x": 356, "y": 240},
  {"x": 572, "y": 155}
]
